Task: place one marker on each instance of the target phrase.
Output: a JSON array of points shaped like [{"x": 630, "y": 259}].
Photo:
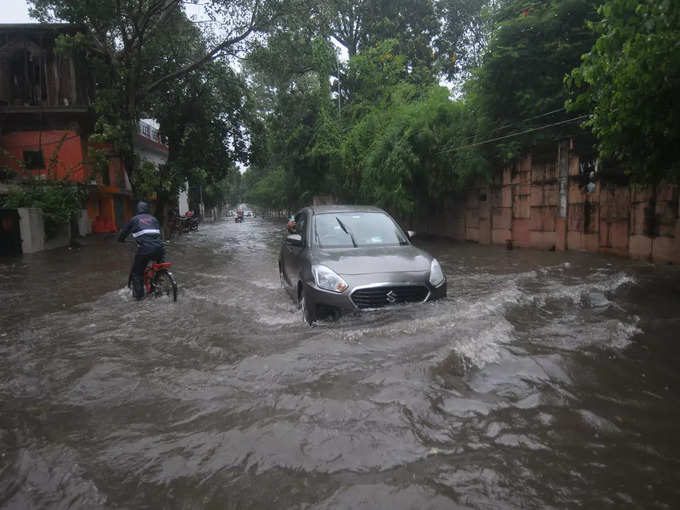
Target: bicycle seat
[{"x": 162, "y": 265}]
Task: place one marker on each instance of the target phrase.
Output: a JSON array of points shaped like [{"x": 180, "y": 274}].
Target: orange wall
[
  {"x": 69, "y": 157},
  {"x": 115, "y": 164}
]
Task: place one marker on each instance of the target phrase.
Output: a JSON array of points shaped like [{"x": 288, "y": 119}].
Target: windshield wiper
[{"x": 347, "y": 231}]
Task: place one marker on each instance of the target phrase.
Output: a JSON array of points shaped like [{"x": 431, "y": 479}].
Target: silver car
[{"x": 344, "y": 258}]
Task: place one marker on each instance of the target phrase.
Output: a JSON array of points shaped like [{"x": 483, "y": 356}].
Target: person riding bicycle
[{"x": 146, "y": 231}]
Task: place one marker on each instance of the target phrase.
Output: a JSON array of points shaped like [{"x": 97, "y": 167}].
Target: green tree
[
  {"x": 127, "y": 41},
  {"x": 629, "y": 82},
  {"x": 463, "y": 35},
  {"x": 532, "y": 47},
  {"x": 267, "y": 191},
  {"x": 60, "y": 201},
  {"x": 293, "y": 127},
  {"x": 201, "y": 117},
  {"x": 399, "y": 158}
]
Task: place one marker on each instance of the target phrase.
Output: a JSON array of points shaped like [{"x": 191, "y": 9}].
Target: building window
[{"x": 34, "y": 160}]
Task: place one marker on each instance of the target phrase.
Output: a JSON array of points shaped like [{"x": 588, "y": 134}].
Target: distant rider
[{"x": 146, "y": 231}]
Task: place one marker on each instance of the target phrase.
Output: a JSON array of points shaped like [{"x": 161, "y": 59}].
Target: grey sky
[{"x": 14, "y": 11}]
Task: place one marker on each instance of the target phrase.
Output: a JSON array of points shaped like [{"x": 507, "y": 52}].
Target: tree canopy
[
  {"x": 629, "y": 83},
  {"x": 432, "y": 95}
]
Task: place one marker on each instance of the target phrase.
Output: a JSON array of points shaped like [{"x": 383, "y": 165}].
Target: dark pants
[{"x": 138, "y": 267}]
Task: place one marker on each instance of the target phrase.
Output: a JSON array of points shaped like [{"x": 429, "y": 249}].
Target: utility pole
[{"x": 339, "y": 114}]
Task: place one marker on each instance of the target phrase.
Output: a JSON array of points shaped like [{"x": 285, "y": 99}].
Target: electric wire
[
  {"x": 516, "y": 123},
  {"x": 511, "y": 124},
  {"x": 512, "y": 135}
]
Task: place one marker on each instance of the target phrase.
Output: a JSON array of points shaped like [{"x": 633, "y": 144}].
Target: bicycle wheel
[{"x": 164, "y": 284}]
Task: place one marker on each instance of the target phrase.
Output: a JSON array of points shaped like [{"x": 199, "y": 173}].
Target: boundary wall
[{"x": 559, "y": 202}]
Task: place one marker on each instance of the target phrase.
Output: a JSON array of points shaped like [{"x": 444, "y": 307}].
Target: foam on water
[
  {"x": 486, "y": 344},
  {"x": 579, "y": 293}
]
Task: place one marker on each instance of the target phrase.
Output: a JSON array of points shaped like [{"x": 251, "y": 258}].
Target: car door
[{"x": 295, "y": 254}]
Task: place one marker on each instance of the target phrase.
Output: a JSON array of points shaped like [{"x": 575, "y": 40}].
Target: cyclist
[{"x": 146, "y": 231}]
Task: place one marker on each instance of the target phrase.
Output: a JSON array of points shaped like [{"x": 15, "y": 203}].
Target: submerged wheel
[
  {"x": 282, "y": 278},
  {"x": 164, "y": 284},
  {"x": 308, "y": 315}
]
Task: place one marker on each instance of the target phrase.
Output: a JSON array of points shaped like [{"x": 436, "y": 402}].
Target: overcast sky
[{"x": 14, "y": 11}]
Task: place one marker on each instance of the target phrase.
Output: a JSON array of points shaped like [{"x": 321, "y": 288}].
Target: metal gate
[{"x": 10, "y": 232}]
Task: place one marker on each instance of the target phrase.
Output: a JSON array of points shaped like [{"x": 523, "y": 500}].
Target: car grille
[{"x": 377, "y": 297}]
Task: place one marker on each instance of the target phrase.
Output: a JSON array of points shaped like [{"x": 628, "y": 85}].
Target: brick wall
[{"x": 544, "y": 203}]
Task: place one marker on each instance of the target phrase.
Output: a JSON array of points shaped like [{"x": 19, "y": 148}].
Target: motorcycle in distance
[
  {"x": 239, "y": 216},
  {"x": 188, "y": 223},
  {"x": 193, "y": 223}
]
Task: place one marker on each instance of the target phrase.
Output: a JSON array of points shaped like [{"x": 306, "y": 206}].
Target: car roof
[{"x": 325, "y": 209}]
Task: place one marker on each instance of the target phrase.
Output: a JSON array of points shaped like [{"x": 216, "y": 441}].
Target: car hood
[{"x": 365, "y": 260}]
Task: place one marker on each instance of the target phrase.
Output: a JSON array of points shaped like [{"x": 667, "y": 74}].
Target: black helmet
[{"x": 142, "y": 207}]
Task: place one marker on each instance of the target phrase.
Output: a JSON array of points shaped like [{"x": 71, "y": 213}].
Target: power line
[
  {"x": 512, "y": 135},
  {"x": 511, "y": 124}
]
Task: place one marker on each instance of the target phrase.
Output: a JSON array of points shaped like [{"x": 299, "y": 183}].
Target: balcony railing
[{"x": 148, "y": 131}]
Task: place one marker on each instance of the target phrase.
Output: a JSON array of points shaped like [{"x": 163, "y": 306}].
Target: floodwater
[{"x": 544, "y": 380}]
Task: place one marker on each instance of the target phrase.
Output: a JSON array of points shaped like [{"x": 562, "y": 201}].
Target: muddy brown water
[{"x": 544, "y": 380}]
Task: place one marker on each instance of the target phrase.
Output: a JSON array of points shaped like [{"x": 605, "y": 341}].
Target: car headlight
[
  {"x": 436, "y": 273},
  {"x": 328, "y": 279}
]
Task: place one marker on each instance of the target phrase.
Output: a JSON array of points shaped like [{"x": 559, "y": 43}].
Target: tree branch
[
  {"x": 165, "y": 7},
  {"x": 199, "y": 62}
]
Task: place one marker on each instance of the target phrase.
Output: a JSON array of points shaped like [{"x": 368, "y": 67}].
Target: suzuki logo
[{"x": 391, "y": 297}]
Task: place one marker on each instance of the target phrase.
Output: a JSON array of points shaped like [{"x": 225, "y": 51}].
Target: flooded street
[{"x": 544, "y": 380}]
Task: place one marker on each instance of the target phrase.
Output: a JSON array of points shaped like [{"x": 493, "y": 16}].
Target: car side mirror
[
  {"x": 411, "y": 234},
  {"x": 294, "y": 239}
]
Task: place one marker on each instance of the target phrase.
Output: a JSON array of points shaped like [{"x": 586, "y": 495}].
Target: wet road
[{"x": 545, "y": 380}]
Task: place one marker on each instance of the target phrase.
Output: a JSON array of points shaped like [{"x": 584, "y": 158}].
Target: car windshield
[{"x": 347, "y": 229}]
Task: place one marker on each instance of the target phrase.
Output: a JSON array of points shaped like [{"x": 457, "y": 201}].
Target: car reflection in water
[{"x": 353, "y": 258}]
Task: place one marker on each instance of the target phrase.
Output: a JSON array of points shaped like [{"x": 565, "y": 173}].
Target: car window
[
  {"x": 300, "y": 226},
  {"x": 335, "y": 230}
]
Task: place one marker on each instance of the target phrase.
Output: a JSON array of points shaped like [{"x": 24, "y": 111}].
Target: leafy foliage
[
  {"x": 141, "y": 47},
  {"x": 462, "y": 38},
  {"x": 267, "y": 191},
  {"x": 532, "y": 47},
  {"x": 201, "y": 117},
  {"x": 629, "y": 81},
  {"x": 398, "y": 157},
  {"x": 379, "y": 128},
  {"x": 380, "y": 134},
  {"x": 59, "y": 202}
]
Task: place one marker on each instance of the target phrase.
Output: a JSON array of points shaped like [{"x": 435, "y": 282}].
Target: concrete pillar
[
  {"x": 183, "y": 200},
  {"x": 84, "y": 223},
  {"x": 32, "y": 228},
  {"x": 561, "y": 223}
]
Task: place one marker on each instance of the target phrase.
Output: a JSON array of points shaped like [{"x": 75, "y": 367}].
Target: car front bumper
[{"x": 406, "y": 284}]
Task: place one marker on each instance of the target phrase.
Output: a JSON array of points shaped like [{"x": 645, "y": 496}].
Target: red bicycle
[{"x": 158, "y": 281}]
